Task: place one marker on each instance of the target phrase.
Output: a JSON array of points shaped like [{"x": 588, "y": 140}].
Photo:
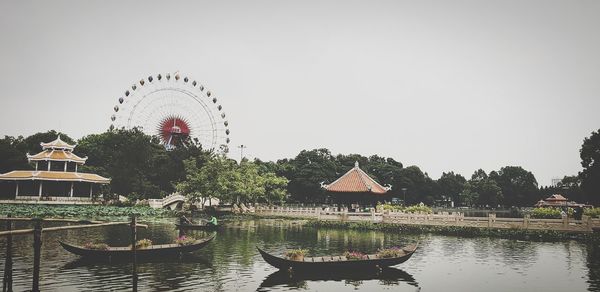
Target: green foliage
[
  {"x": 590, "y": 161},
  {"x": 481, "y": 190},
  {"x": 519, "y": 186},
  {"x": 546, "y": 213},
  {"x": 451, "y": 185},
  {"x": 519, "y": 234},
  {"x": 137, "y": 163},
  {"x": 80, "y": 212},
  {"x": 418, "y": 209},
  {"x": 390, "y": 207},
  {"x": 592, "y": 212},
  {"x": 226, "y": 180}
]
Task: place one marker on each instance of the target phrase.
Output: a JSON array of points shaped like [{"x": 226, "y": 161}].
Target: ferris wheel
[{"x": 175, "y": 109}]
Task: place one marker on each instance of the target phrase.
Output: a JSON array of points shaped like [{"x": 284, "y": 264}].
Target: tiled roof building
[
  {"x": 56, "y": 174},
  {"x": 356, "y": 186}
]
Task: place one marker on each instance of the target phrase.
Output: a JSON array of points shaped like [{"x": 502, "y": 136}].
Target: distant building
[
  {"x": 557, "y": 200},
  {"x": 56, "y": 175},
  {"x": 357, "y": 187},
  {"x": 556, "y": 181}
]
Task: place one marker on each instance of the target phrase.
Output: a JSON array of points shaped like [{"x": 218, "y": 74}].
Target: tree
[
  {"x": 307, "y": 171},
  {"x": 468, "y": 196},
  {"x": 488, "y": 193},
  {"x": 519, "y": 186},
  {"x": 138, "y": 163},
  {"x": 590, "y": 161},
  {"x": 12, "y": 154},
  {"x": 482, "y": 190},
  {"x": 228, "y": 181},
  {"x": 451, "y": 185}
]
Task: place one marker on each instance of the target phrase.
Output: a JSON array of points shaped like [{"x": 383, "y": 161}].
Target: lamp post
[
  {"x": 404, "y": 191},
  {"x": 242, "y": 151}
]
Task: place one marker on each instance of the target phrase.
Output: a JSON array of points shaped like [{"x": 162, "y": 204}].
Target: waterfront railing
[{"x": 586, "y": 224}]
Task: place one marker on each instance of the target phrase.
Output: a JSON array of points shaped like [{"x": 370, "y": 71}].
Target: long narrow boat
[
  {"x": 339, "y": 263},
  {"x": 197, "y": 226},
  {"x": 161, "y": 250}
]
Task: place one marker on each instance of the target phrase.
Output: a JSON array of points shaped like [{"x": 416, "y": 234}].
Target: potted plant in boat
[
  {"x": 143, "y": 243},
  {"x": 96, "y": 246},
  {"x": 185, "y": 240},
  {"x": 354, "y": 255},
  {"x": 392, "y": 252},
  {"x": 295, "y": 254}
]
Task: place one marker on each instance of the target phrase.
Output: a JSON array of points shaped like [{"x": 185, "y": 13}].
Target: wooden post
[
  {"x": 17, "y": 190},
  {"x": 37, "y": 247},
  {"x": 7, "y": 280},
  {"x": 133, "y": 248},
  {"x": 181, "y": 223},
  {"x": 526, "y": 221},
  {"x": 71, "y": 192}
]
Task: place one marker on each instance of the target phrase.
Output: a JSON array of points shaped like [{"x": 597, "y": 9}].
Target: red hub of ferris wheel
[{"x": 173, "y": 131}]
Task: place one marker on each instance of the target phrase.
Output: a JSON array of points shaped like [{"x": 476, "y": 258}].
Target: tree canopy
[
  {"x": 139, "y": 166},
  {"x": 590, "y": 161}
]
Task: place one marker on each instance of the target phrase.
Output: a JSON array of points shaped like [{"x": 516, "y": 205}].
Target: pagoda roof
[
  {"x": 56, "y": 155},
  {"x": 54, "y": 176},
  {"x": 356, "y": 181},
  {"x": 57, "y": 144},
  {"x": 556, "y": 198}
]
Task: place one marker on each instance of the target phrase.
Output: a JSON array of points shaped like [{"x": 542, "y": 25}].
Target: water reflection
[
  {"x": 387, "y": 277},
  {"x": 232, "y": 263}
]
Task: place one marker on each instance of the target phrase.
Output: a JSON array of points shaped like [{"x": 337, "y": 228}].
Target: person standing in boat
[{"x": 213, "y": 221}]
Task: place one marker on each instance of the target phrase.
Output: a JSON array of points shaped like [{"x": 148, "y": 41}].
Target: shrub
[
  {"x": 418, "y": 208},
  {"x": 546, "y": 213},
  {"x": 592, "y": 212}
]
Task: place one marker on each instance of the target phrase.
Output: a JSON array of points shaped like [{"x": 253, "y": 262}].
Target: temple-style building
[
  {"x": 356, "y": 187},
  {"x": 56, "y": 175}
]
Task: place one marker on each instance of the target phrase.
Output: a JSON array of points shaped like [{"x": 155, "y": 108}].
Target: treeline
[
  {"x": 140, "y": 167},
  {"x": 510, "y": 185}
]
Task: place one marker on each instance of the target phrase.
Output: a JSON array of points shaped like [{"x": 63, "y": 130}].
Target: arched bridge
[{"x": 173, "y": 201}]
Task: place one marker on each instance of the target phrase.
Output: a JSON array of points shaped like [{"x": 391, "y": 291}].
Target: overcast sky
[{"x": 445, "y": 85}]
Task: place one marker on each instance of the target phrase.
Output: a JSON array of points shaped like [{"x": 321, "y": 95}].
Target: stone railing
[
  {"x": 50, "y": 200},
  {"x": 441, "y": 219}
]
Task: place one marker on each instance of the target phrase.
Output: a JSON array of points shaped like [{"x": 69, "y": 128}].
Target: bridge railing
[{"x": 442, "y": 218}]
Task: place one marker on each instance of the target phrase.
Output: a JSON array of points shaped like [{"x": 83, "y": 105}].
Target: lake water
[{"x": 232, "y": 263}]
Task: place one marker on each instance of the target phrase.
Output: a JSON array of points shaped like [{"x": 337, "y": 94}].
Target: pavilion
[
  {"x": 56, "y": 175},
  {"x": 557, "y": 200},
  {"x": 357, "y": 187}
]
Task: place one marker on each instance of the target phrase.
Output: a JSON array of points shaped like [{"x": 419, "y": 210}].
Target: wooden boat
[
  {"x": 197, "y": 226},
  {"x": 340, "y": 263},
  {"x": 161, "y": 250}
]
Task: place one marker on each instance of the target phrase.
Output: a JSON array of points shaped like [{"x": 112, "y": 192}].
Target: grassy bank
[
  {"x": 518, "y": 234},
  {"x": 81, "y": 212}
]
